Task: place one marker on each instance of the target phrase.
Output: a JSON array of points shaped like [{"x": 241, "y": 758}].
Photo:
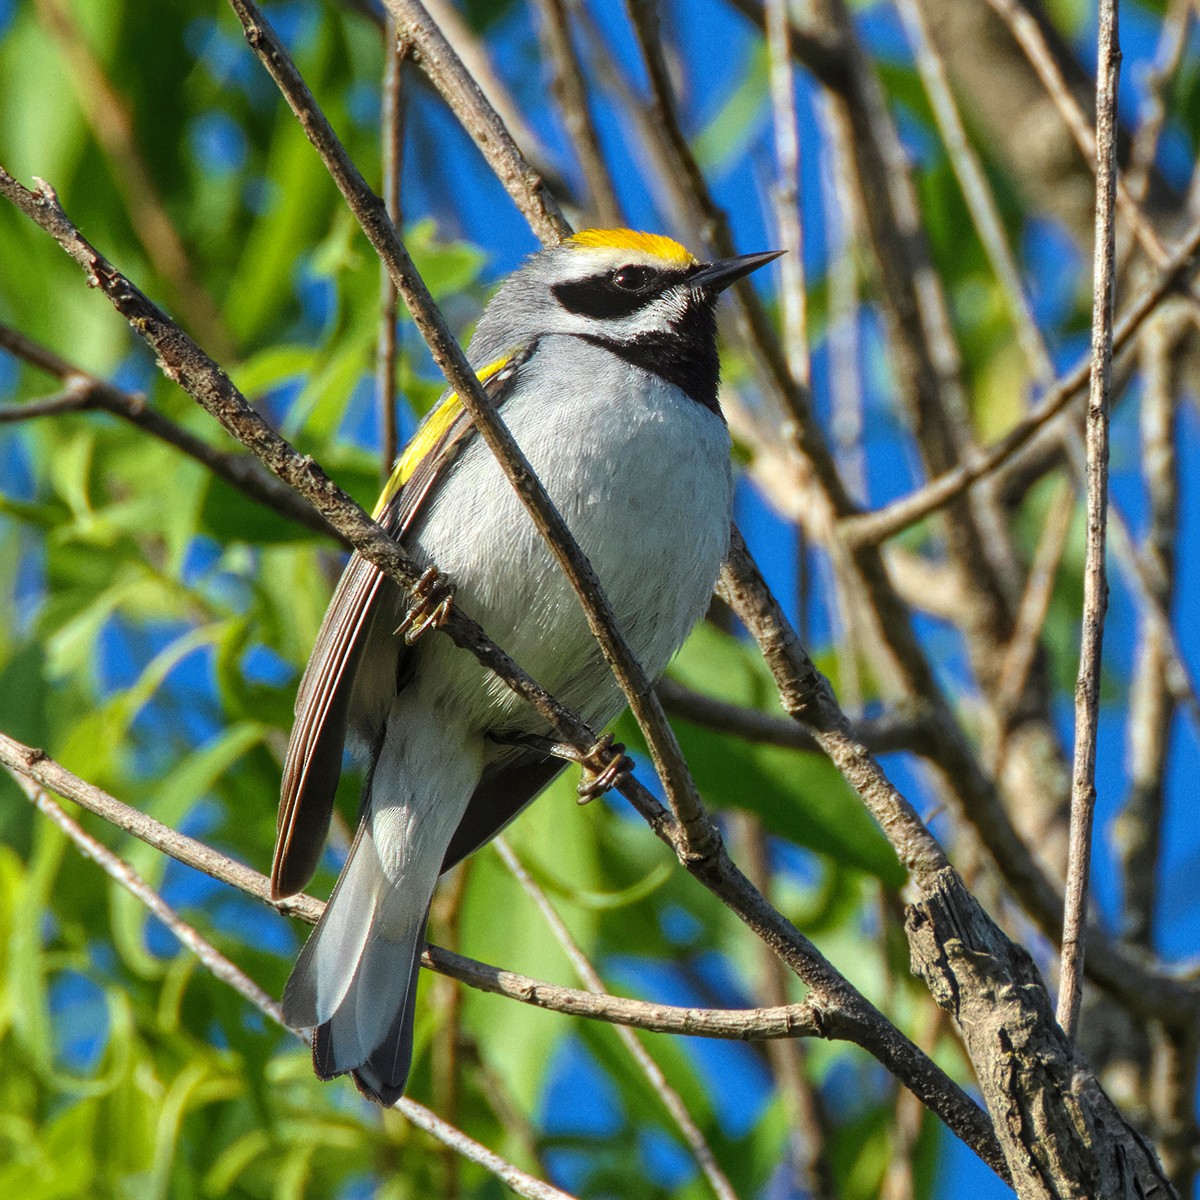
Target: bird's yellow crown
[{"x": 653, "y": 244}]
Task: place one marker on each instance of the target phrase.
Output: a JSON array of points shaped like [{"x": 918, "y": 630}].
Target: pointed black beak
[{"x": 716, "y": 277}]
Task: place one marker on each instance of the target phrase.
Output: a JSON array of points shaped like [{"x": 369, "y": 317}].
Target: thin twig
[
  {"x": 520, "y": 1181},
  {"x": 210, "y": 957},
  {"x": 838, "y": 196},
  {"x": 391, "y": 160},
  {"x": 568, "y": 85},
  {"x": 75, "y": 397},
  {"x": 1095, "y": 583},
  {"x": 840, "y": 199},
  {"x": 671, "y": 1100}
]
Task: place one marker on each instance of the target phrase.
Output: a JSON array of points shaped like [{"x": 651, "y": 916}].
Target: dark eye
[{"x": 633, "y": 279}]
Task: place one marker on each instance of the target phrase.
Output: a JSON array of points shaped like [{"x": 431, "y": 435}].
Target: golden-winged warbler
[{"x": 600, "y": 355}]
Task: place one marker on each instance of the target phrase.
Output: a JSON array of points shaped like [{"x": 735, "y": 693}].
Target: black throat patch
[{"x": 686, "y": 356}]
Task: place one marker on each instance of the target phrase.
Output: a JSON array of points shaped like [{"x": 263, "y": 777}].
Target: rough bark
[{"x": 1060, "y": 1133}]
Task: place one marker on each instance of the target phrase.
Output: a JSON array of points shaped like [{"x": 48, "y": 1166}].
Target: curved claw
[
  {"x": 605, "y": 767},
  {"x": 431, "y": 599}
]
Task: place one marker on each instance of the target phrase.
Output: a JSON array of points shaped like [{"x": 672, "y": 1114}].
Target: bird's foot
[
  {"x": 430, "y": 602},
  {"x": 605, "y": 766}
]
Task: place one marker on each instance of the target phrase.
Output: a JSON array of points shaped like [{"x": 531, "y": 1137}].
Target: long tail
[{"x": 355, "y": 982}]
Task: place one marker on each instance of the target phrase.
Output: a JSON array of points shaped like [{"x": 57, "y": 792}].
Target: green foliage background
[{"x": 153, "y": 623}]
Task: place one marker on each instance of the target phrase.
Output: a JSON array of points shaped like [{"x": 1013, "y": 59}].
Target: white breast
[{"x": 640, "y": 473}]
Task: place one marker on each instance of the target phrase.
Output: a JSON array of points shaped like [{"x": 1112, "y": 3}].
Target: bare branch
[
  {"x": 1095, "y": 582},
  {"x": 76, "y": 397},
  {"x": 795, "y": 1020}
]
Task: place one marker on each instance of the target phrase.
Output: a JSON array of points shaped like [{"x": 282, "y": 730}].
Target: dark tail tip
[
  {"x": 381, "y": 1079},
  {"x": 376, "y": 1090}
]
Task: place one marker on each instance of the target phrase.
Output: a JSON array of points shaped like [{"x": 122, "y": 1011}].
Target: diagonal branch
[{"x": 699, "y": 835}]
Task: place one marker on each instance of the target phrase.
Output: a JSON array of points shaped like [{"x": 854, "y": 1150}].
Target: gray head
[{"x": 640, "y": 294}]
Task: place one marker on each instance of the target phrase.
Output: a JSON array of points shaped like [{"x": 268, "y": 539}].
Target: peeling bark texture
[{"x": 1062, "y": 1136}]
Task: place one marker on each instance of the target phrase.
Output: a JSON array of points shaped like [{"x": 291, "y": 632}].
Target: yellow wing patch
[
  {"x": 653, "y": 244},
  {"x": 428, "y": 432}
]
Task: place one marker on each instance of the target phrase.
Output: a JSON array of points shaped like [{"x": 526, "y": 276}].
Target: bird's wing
[
  {"x": 313, "y": 763},
  {"x": 501, "y": 794}
]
